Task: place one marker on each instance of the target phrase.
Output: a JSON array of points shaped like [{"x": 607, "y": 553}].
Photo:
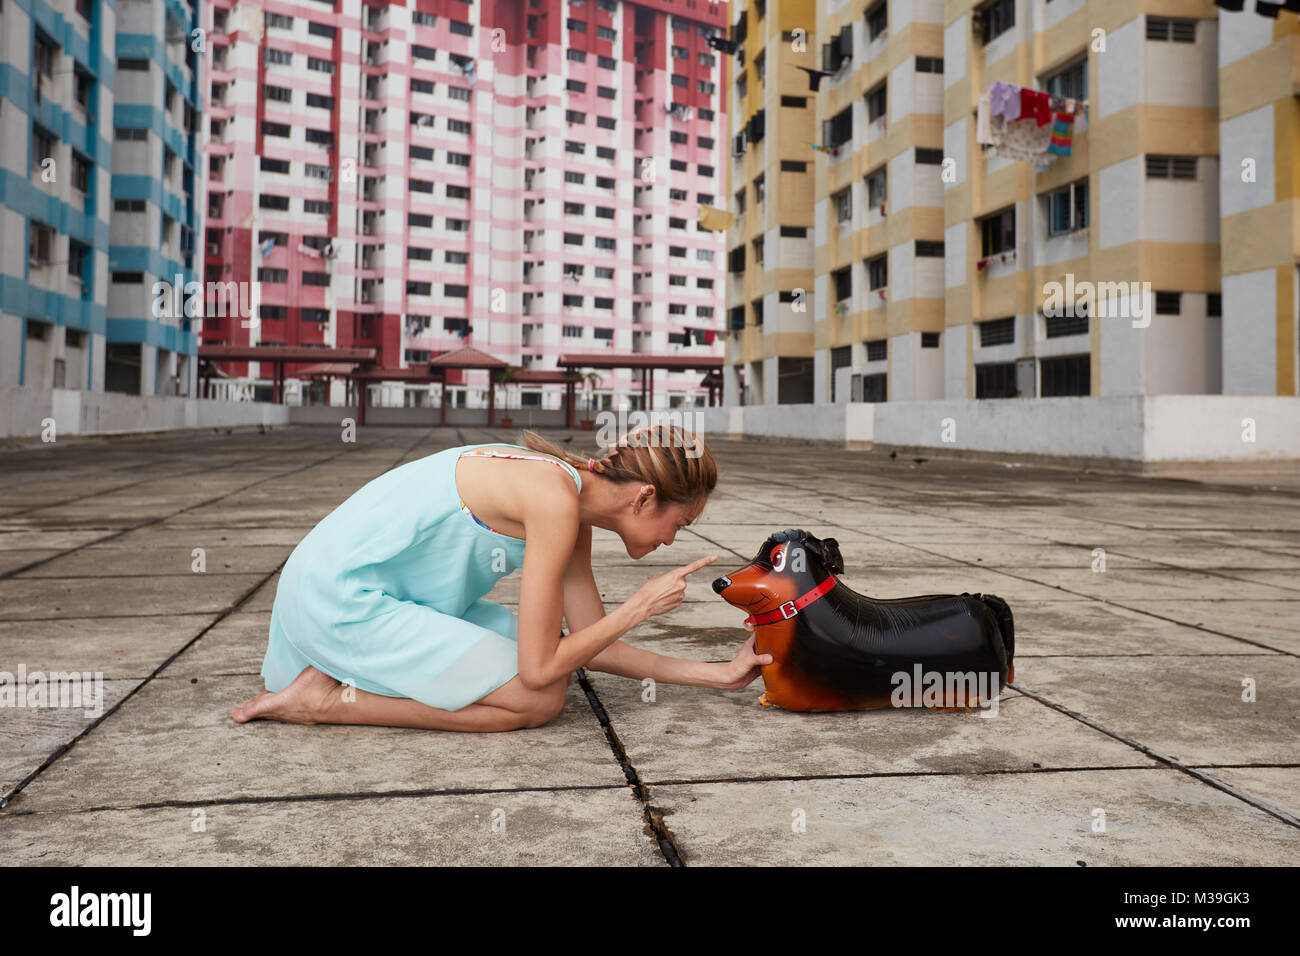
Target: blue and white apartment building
[{"x": 100, "y": 179}]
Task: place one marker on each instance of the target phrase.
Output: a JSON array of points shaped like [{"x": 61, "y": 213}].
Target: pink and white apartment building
[{"x": 520, "y": 176}]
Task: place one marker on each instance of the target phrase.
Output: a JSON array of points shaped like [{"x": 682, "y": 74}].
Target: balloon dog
[{"x": 836, "y": 649}]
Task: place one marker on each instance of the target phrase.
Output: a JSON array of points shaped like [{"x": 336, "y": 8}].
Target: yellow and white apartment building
[{"x": 881, "y": 254}]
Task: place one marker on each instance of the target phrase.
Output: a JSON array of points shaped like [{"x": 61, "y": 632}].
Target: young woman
[{"x": 379, "y": 615}]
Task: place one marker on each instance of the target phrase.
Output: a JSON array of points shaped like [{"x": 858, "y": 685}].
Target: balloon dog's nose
[{"x": 721, "y": 584}]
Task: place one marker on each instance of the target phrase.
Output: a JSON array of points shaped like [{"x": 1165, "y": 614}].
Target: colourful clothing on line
[
  {"x": 386, "y": 592},
  {"x": 1062, "y": 134}
]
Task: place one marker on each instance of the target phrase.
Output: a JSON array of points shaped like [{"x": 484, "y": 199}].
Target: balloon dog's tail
[{"x": 1006, "y": 624}]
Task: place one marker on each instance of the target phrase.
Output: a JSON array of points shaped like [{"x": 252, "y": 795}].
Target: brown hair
[{"x": 676, "y": 462}]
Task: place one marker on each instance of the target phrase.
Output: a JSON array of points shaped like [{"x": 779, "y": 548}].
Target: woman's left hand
[{"x": 744, "y": 667}]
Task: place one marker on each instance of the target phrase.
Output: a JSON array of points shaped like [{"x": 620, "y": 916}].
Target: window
[
  {"x": 795, "y": 102},
  {"x": 456, "y": 291},
  {"x": 998, "y": 233},
  {"x": 576, "y": 56},
  {"x": 998, "y": 17},
  {"x": 572, "y": 177},
  {"x": 878, "y": 272},
  {"x": 280, "y": 94},
  {"x": 604, "y": 242},
  {"x": 278, "y": 276},
  {"x": 929, "y": 248},
  {"x": 997, "y": 332},
  {"x": 930, "y": 157},
  {"x": 679, "y": 80},
  {"x": 602, "y": 333},
  {"x": 319, "y": 65},
  {"x": 843, "y": 201},
  {"x": 419, "y": 219},
  {"x": 320, "y": 102},
  {"x": 1067, "y": 209},
  {"x": 929, "y": 64},
  {"x": 80, "y": 172},
  {"x": 458, "y": 159},
  {"x": 574, "y": 239},
  {"x": 877, "y": 102},
  {"x": 317, "y": 172},
  {"x": 1066, "y": 375},
  {"x": 605, "y": 33},
  {"x": 128, "y": 205},
  {"x": 423, "y": 52},
  {"x": 794, "y": 232},
  {"x": 315, "y": 278},
  {"x": 996, "y": 380},
  {"x": 421, "y": 86},
  {"x": 575, "y": 86},
  {"x": 1171, "y": 167},
  {"x": 606, "y": 122},
  {"x": 420, "y": 152},
  {"x": 793, "y": 166},
  {"x": 607, "y": 152},
  {"x": 137, "y": 135},
  {"x": 463, "y": 29},
  {"x": 419, "y": 288},
  {"x": 573, "y": 147},
  {"x": 843, "y": 284},
  {"x": 839, "y": 129},
  {"x": 1070, "y": 82},
  {"x": 841, "y": 357},
  {"x": 1169, "y": 303},
  {"x": 929, "y": 340},
  {"x": 138, "y": 65},
  {"x": 275, "y": 129},
  {"x": 279, "y": 20},
  {"x": 274, "y": 57},
  {"x": 877, "y": 350},
  {"x": 878, "y": 187},
  {"x": 423, "y": 19},
  {"x": 42, "y": 146},
  {"x": 576, "y": 26},
  {"x": 458, "y": 93},
  {"x": 606, "y": 62},
  {"x": 877, "y": 19},
  {"x": 1214, "y": 305},
  {"x": 1177, "y": 31},
  {"x": 318, "y": 206},
  {"x": 273, "y": 202},
  {"x": 1059, "y": 326},
  {"x": 40, "y": 240}
]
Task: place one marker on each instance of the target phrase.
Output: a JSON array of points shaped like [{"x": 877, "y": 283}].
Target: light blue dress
[{"x": 387, "y": 592}]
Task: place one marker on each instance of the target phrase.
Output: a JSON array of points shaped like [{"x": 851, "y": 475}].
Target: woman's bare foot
[{"x": 305, "y": 701}]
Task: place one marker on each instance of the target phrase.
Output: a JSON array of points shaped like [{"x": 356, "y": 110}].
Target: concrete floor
[{"x": 1125, "y": 739}]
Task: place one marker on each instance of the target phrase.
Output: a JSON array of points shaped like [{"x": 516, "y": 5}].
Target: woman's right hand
[{"x": 664, "y": 592}]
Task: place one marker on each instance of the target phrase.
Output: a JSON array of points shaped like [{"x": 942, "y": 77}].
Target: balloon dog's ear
[{"x": 828, "y": 549}]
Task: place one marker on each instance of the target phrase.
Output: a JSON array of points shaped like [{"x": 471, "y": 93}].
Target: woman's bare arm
[
  {"x": 583, "y": 607},
  {"x": 551, "y": 528}
]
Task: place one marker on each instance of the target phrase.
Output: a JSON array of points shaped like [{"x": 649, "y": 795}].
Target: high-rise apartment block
[
  {"x": 522, "y": 177},
  {"x": 100, "y": 107},
  {"x": 893, "y": 243}
]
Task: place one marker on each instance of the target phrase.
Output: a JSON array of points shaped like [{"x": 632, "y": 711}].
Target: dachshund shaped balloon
[{"x": 836, "y": 649}]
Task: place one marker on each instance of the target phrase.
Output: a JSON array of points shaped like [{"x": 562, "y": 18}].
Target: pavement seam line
[
  {"x": 221, "y": 616},
  {"x": 1257, "y": 802},
  {"x": 652, "y": 816}
]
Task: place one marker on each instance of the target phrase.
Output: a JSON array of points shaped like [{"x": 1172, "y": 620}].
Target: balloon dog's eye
[{"x": 778, "y": 558}]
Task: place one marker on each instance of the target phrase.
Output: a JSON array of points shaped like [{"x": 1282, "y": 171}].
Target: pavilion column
[{"x": 492, "y": 401}]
